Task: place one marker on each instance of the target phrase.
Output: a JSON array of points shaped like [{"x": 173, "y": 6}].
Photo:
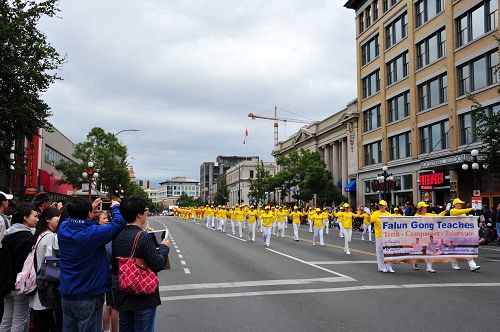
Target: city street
[{"x": 222, "y": 283}]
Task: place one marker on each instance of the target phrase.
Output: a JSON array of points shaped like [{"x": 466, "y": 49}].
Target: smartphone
[{"x": 106, "y": 206}]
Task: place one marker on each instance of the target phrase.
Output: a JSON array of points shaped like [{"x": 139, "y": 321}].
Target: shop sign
[
  {"x": 379, "y": 186},
  {"x": 477, "y": 203},
  {"x": 429, "y": 180},
  {"x": 451, "y": 160}
]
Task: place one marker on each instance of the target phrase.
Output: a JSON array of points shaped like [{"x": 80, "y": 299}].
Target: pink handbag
[{"x": 134, "y": 275}]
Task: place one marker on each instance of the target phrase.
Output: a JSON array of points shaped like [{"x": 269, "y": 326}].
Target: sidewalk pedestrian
[{"x": 85, "y": 274}]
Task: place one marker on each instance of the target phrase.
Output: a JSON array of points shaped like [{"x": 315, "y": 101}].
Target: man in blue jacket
[{"x": 85, "y": 273}]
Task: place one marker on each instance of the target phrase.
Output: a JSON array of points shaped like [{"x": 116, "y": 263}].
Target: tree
[
  {"x": 184, "y": 200},
  {"x": 28, "y": 66},
  {"x": 304, "y": 175},
  {"x": 109, "y": 157},
  {"x": 222, "y": 194},
  {"x": 260, "y": 185}
]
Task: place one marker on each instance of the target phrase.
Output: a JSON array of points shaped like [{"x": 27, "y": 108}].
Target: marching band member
[{"x": 375, "y": 218}]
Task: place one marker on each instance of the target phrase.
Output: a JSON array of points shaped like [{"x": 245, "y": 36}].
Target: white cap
[{"x": 7, "y": 196}]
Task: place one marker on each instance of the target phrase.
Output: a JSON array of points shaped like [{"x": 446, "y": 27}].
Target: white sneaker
[
  {"x": 475, "y": 268},
  {"x": 347, "y": 252},
  {"x": 391, "y": 270},
  {"x": 455, "y": 266},
  {"x": 384, "y": 270},
  {"x": 431, "y": 270},
  {"x": 415, "y": 267},
  {"x": 314, "y": 244}
]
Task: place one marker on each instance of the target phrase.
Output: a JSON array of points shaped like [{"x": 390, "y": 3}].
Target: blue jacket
[{"x": 85, "y": 271}]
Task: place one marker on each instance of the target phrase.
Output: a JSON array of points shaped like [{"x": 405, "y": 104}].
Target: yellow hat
[
  {"x": 458, "y": 201},
  {"x": 396, "y": 209},
  {"x": 346, "y": 205},
  {"x": 421, "y": 205},
  {"x": 318, "y": 210},
  {"x": 382, "y": 202},
  {"x": 251, "y": 206},
  {"x": 295, "y": 207},
  {"x": 266, "y": 208}
]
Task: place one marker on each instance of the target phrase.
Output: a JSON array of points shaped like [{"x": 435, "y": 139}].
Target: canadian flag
[{"x": 246, "y": 135}]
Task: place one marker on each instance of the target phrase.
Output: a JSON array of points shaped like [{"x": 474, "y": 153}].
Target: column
[
  {"x": 335, "y": 162},
  {"x": 344, "y": 164},
  {"x": 328, "y": 157}
]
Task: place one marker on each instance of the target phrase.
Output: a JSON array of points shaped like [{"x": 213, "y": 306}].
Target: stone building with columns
[{"x": 336, "y": 139}]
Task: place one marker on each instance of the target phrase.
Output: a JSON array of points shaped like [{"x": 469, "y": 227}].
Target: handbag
[{"x": 134, "y": 275}]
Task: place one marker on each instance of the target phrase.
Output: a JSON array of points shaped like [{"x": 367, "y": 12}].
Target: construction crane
[{"x": 276, "y": 119}]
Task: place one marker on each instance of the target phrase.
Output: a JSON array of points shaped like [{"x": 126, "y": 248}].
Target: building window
[
  {"x": 361, "y": 22},
  {"x": 375, "y": 10},
  {"x": 400, "y": 146},
  {"x": 385, "y": 5},
  {"x": 467, "y": 124},
  {"x": 431, "y": 49},
  {"x": 369, "y": 50},
  {"x": 397, "y": 68},
  {"x": 477, "y": 22},
  {"x": 251, "y": 174},
  {"x": 434, "y": 137},
  {"x": 54, "y": 157},
  {"x": 371, "y": 84},
  {"x": 371, "y": 118},
  {"x": 399, "y": 107},
  {"x": 433, "y": 92},
  {"x": 478, "y": 73},
  {"x": 368, "y": 20},
  {"x": 397, "y": 30},
  {"x": 427, "y": 9},
  {"x": 373, "y": 153}
]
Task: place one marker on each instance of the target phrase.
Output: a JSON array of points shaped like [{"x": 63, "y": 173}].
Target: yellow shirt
[
  {"x": 375, "y": 218},
  {"x": 347, "y": 218},
  {"x": 296, "y": 216},
  {"x": 267, "y": 219},
  {"x": 240, "y": 214},
  {"x": 282, "y": 215},
  {"x": 310, "y": 215},
  {"x": 396, "y": 215},
  {"x": 252, "y": 216},
  {"x": 317, "y": 219},
  {"x": 460, "y": 212},
  {"x": 325, "y": 215},
  {"x": 366, "y": 219}
]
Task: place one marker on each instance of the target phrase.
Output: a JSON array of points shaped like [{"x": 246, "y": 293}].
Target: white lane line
[
  {"x": 180, "y": 256},
  {"x": 324, "y": 290},
  {"x": 341, "y": 262},
  {"x": 310, "y": 264},
  {"x": 183, "y": 262},
  {"x": 178, "y": 251},
  {"x": 256, "y": 283},
  {"x": 237, "y": 238},
  {"x": 176, "y": 247},
  {"x": 186, "y": 271}
]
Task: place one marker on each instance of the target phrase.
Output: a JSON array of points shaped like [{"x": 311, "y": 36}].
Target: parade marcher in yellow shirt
[
  {"x": 240, "y": 216},
  {"x": 208, "y": 215},
  {"x": 232, "y": 217},
  {"x": 252, "y": 223},
  {"x": 338, "y": 215},
  {"x": 259, "y": 218},
  {"x": 422, "y": 212},
  {"x": 317, "y": 219},
  {"x": 457, "y": 211},
  {"x": 326, "y": 220},
  {"x": 282, "y": 214},
  {"x": 367, "y": 225},
  {"x": 375, "y": 218},
  {"x": 295, "y": 215},
  {"x": 396, "y": 212},
  {"x": 310, "y": 215},
  {"x": 267, "y": 223},
  {"x": 347, "y": 217},
  {"x": 275, "y": 223}
]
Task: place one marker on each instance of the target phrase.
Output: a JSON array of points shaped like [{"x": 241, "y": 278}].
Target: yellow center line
[{"x": 339, "y": 247}]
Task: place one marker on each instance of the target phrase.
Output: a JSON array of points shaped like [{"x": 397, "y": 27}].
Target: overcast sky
[{"x": 187, "y": 73}]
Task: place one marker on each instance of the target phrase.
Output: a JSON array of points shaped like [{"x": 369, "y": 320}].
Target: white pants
[
  {"x": 207, "y": 220},
  {"x": 213, "y": 222},
  {"x": 296, "y": 228},
  {"x": 310, "y": 225},
  {"x": 251, "y": 231},
  {"x": 326, "y": 226},
  {"x": 380, "y": 255},
  {"x": 259, "y": 225},
  {"x": 267, "y": 235},
  {"x": 367, "y": 228},
  {"x": 240, "y": 227},
  {"x": 340, "y": 230},
  {"x": 275, "y": 223},
  {"x": 233, "y": 225},
  {"x": 281, "y": 228},
  {"x": 318, "y": 231},
  {"x": 222, "y": 224},
  {"x": 286, "y": 222},
  {"x": 347, "y": 237}
]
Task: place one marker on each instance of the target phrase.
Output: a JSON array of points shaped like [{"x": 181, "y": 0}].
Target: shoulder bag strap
[
  {"x": 40, "y": 237},
  {"x": 134, "y": 246}
]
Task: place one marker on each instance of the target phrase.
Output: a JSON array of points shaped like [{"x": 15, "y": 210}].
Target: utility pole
[{"x": 239, "y": 184}]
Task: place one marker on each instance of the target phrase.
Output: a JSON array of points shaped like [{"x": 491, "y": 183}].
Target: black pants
[{"x": 49, "y": 320}]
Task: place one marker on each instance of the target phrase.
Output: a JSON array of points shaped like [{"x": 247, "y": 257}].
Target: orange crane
[{"x": 276, "y": 119}]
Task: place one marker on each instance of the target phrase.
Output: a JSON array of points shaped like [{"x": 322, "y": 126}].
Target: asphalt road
[{"x": 222, "y": 283}]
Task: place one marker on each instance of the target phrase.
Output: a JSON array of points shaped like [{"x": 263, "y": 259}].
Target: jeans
[
  {"x": 83, "y": 315},
  {"x": 138, "y": 321},
  {"x": 16, "y": 312}
]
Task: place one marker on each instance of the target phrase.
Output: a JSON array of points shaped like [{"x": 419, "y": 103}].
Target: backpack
[
  {"x": 7, "y": 277},
  {"x": 26, "y": 279}
]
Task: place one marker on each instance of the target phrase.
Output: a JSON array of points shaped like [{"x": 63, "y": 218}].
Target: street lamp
[
  {"x": 384, "y": 178},
  {"x": 90, "y": 173},
  {"x": 475, "y": 167},
  {"x": 124, "y": 130}
]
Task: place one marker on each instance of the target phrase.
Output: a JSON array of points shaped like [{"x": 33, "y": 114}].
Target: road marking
[
  {"x": 324, "y": 290},
  {"x": 186, "y": 271},
  {"x": 338, "y": 247},
  {"x": 183, "y": 262},
  {"x": 480, "y": 248},
  {"x": 178, "y": 251},
  {"x": 256, "y": 283},
  {"x": 342, "y": 262},
  {"x": 180, "y": 256},
  {"x": 176, "y": 247},
  {"x": 237, "y": 238},
  {"x": 310, "y": 264}
]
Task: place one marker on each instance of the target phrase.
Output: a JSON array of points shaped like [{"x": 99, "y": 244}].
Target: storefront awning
[
  {"x": 351, "y": 186},
  {"x": 339, "y": 183}
]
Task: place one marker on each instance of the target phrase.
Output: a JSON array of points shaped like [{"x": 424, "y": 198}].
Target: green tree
[
  {"x": 184, "y": 200},
  {"x": 260, "y": 185},
  {"x": 222, "y": 194},
  {"x": 28, "y": 66},
  {"x": 109, "y": 157}
]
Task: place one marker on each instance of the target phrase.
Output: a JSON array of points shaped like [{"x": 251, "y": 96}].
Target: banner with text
[{"x": 436, "y": 239}]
